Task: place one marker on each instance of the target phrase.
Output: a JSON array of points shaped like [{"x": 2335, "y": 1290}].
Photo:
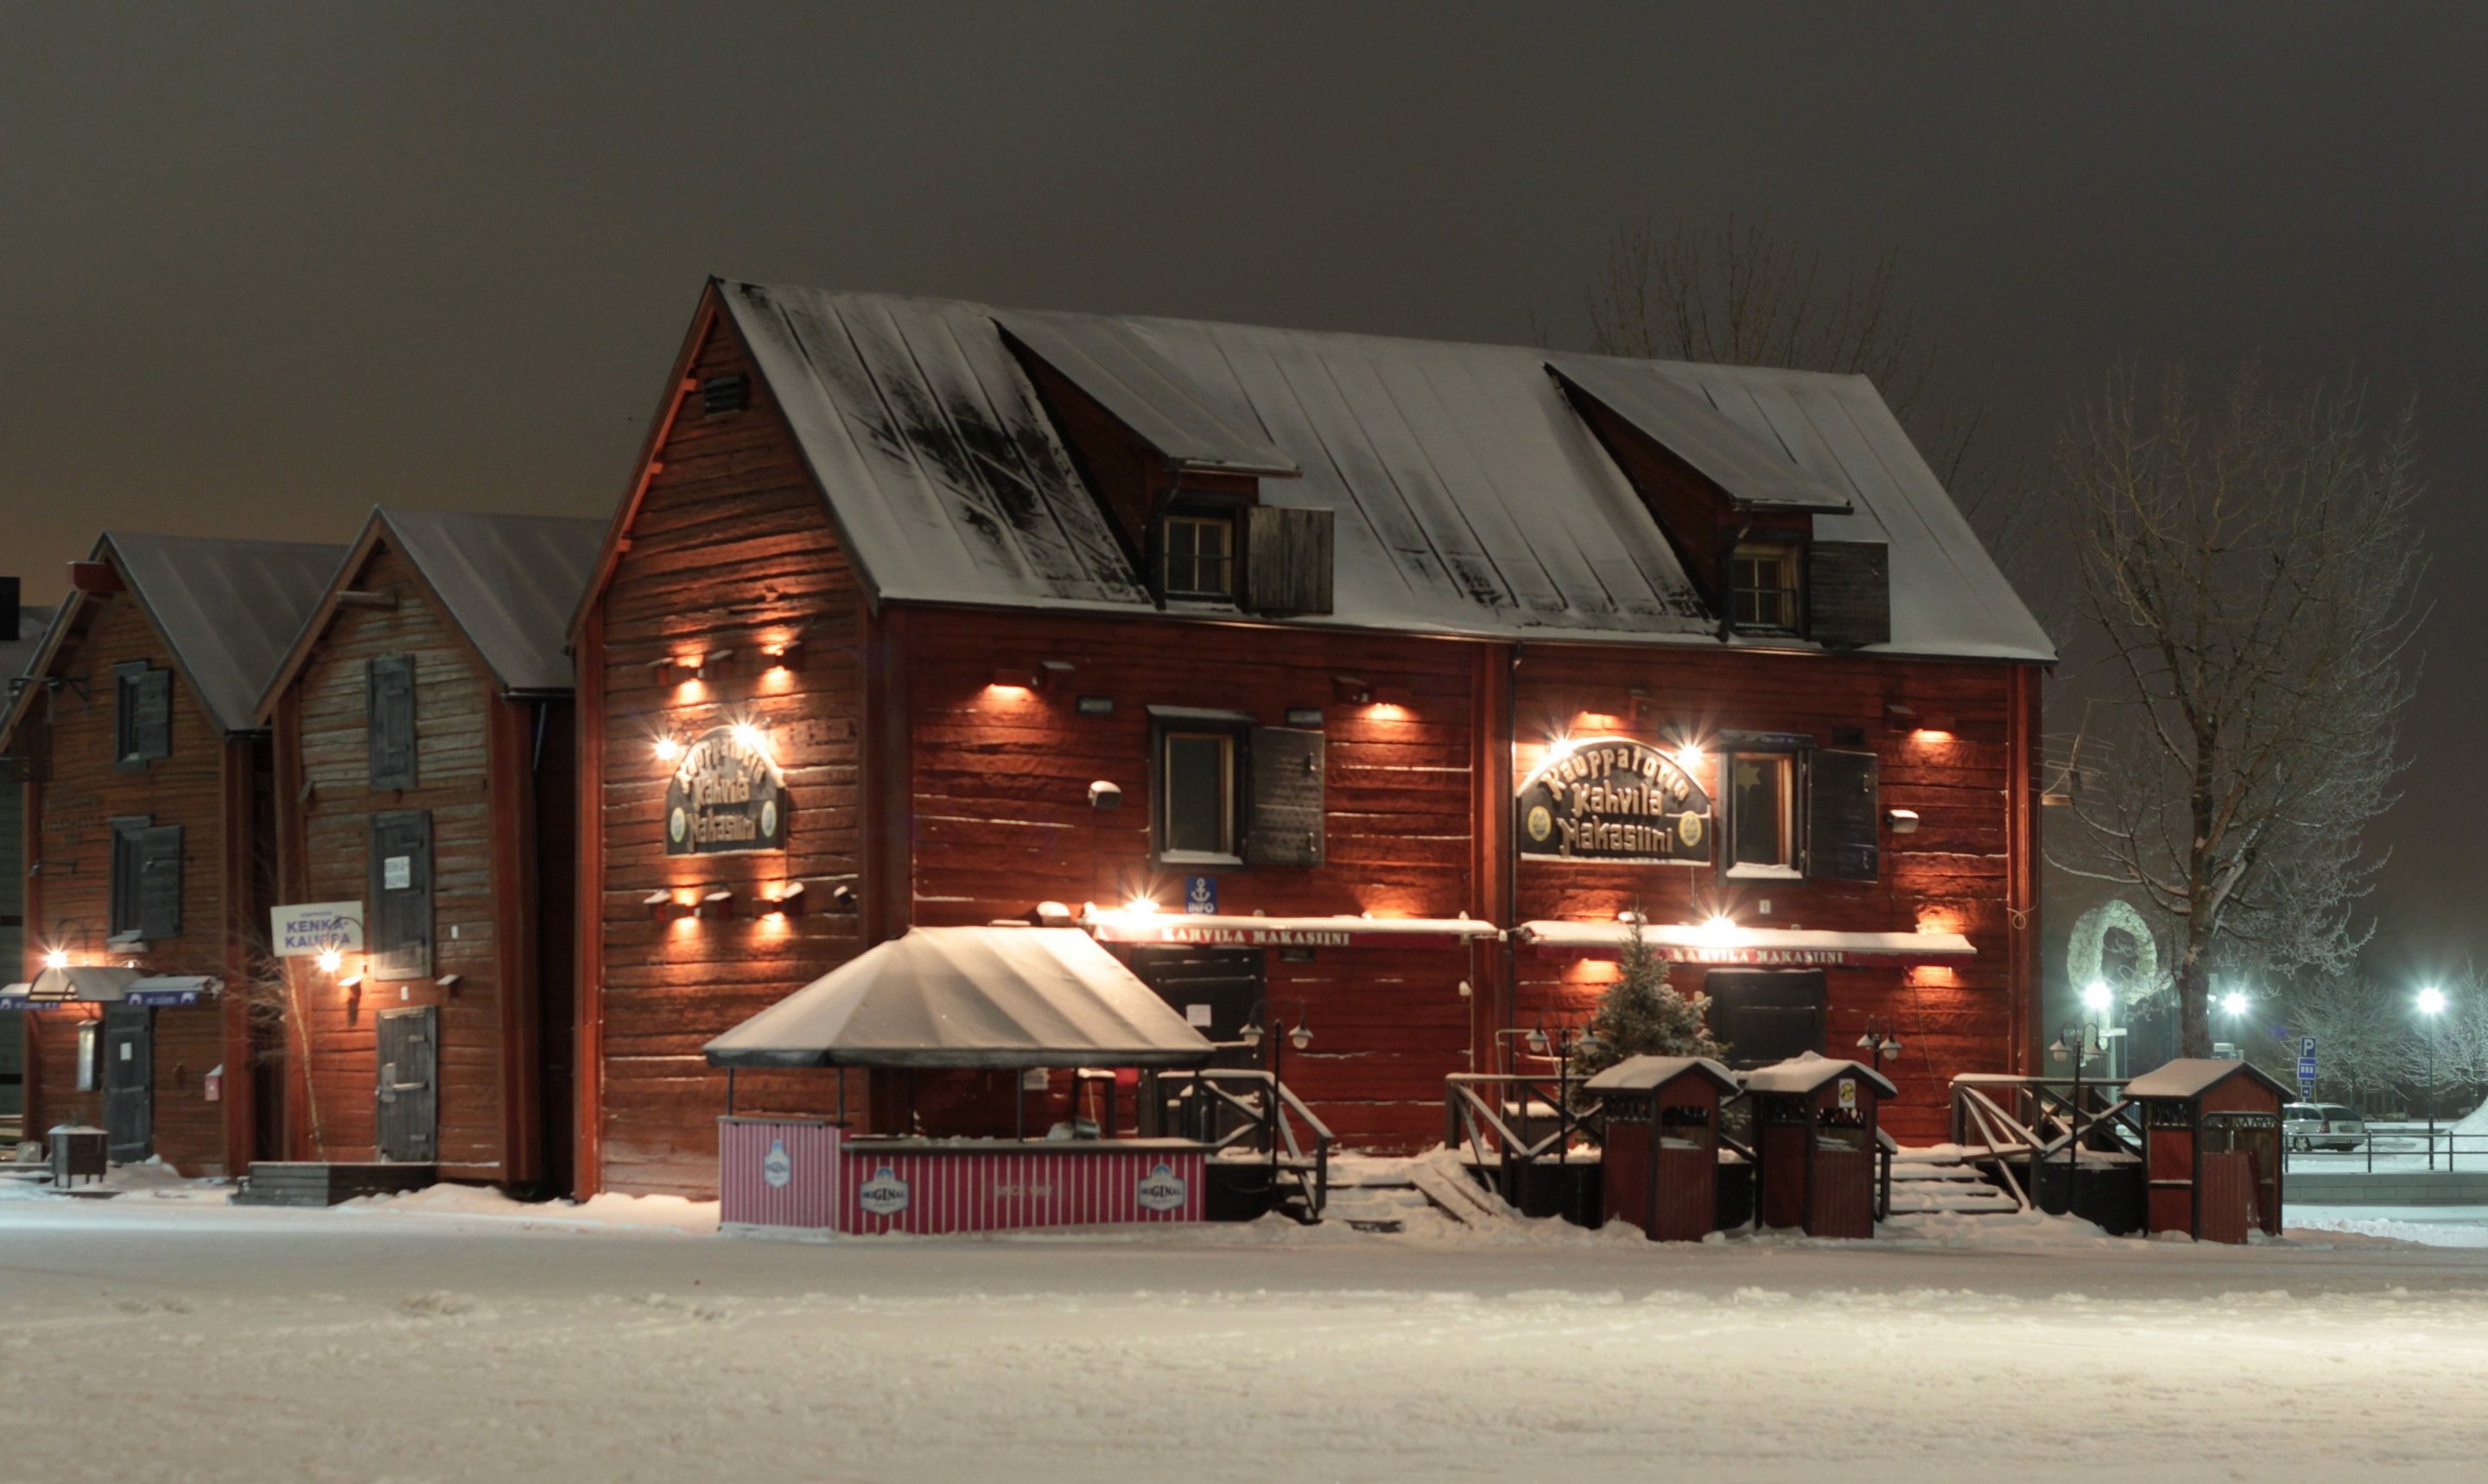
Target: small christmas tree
[{"x": 1641, "y": 1013}]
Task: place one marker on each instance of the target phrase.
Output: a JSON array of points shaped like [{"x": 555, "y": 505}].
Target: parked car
[{"x": 2322, "y": 1126}]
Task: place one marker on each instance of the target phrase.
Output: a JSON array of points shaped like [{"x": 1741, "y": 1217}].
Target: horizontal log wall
[
  {"x": 1002, "y": 818},
  {"x": 1951, "y": 876},
  {"x": 81, "y": 791},
  {"x": 325, "y": 729},
  {"x": 732, "y": 548}
]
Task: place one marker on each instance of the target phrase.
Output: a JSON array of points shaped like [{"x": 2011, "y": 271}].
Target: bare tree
[
  {"x": 1745, "y": 294},
  {"x": 2246, "y": 577},
  {"x": 2362, "y": 1038}
]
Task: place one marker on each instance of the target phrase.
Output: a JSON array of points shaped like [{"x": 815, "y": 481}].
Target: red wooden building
[
  {"x": 146, "y": 783},
  {"x": 1353, "y": 681},
  {"x": 425, "y": 824}
]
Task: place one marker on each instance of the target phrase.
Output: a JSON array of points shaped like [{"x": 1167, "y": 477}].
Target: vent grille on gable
[{"x": 726, "y": 394}]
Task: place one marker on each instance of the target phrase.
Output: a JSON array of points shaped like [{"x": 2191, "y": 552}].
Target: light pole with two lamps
[{"x": 1280, "y": 1038}]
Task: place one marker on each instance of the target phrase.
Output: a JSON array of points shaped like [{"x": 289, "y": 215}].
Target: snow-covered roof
[
  {"x": 1801, "y": 1075},
  {"x": 990, "y": 996},
  {"x": 1688, "y": 942},
  {"x": 1469, "y": 496},
  {"x": 2192, "y": 1077},
  {"x": 87, "y": 983},
  {"x": 1640, "y": 1073}
]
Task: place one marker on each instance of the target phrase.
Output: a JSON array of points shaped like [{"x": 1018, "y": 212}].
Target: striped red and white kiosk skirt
[{"x": 805, "y": 1174}]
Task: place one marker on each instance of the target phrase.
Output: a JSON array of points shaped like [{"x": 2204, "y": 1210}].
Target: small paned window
[
  {"x": 388, "y": 711},
  {"x": 1761, "y": 812},
  {"x": 1763, "y": 583},
  {"x": 1200, "y": 556},
  {"x": 1197, "y": 796},
  {"x": 142, "y": 714},
  {"x": 146, "y": 886}
]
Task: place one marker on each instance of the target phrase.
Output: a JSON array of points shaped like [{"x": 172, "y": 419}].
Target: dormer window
[
  {"x": 1762, "y": 585},
  {"x": 1200, "y": 556}
]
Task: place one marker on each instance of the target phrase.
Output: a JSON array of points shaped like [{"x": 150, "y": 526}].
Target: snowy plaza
[{"x": 455, "y": 1335}]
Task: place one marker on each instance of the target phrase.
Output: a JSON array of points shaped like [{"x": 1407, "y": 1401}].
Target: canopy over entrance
[{"x": 979, "y": 998}]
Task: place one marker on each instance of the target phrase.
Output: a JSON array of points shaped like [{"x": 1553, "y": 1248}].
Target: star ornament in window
[{"x": 1749, "y": 774}]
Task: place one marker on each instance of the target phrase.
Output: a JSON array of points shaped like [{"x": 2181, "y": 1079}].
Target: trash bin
[
  {"x": 2211, "y": 1148},
  {"x": 1814, "y": 1138},
  {"x": 1661, "y": 1152},
  {"x": 76, "y": 1150}
]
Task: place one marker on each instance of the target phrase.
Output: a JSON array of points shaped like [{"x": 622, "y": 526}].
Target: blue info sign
[{"x": 1201, "y": 895}]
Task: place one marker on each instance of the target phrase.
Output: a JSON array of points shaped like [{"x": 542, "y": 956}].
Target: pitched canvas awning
[
  {"x": 1214, "y": 931},
  {"x": 1683, "y": 942},
  {"x": 977, "y": 997}
]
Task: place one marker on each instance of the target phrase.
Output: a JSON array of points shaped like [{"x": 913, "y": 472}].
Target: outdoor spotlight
[
  {"x": 668, "y": 749},
  {"x": 786, "y": 904},
  {"x": 1017, "y": 678},
  {"x": 1103, "y": 794},
  {"x": 750, "y": 737},
  {"x": 1691, "y": 757},
  {"x": 1142, "y": 904},
  {"x": 58, "y": 958},
  {"x": 2233, "y": 1003},
  {"x": 715, "y": 905},
  {"x": 662, "y": 907},
  {"x": 1904, "y": 821},
  {"x": 844, "y": 898},
  {"x": 351, "y": 982},
  {"x": 330, "y": 961},
  {"x": 1348, "y": 691},
  {"x": 2095, "y": 996},
  {"x": 2431, "y": 1001}
]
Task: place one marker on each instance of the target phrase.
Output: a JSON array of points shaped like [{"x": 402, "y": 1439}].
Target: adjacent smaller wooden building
[
  {"x": 425, "y": 795},
  {"x": 144, "y": 777}
]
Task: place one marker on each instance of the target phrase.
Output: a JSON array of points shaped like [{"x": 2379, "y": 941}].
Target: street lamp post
[
  {"x": 2431, "y": 1004},
  {"x": 2080, "y": 1041}
]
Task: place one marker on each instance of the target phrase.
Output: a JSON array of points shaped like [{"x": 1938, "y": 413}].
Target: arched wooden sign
[
  {"x": 727, "y": 794},
  {"x": 1613, "y": 800}
]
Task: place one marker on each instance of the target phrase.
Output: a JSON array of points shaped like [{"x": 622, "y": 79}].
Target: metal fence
[{"x": 2382, "y": 1148}]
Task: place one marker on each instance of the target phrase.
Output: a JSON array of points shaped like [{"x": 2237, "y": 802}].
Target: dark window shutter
[
  {"x": 1844, "y": 825},
  {"x": 160, "y": 882},
  {"x": 389, "y": 721},
  {"x": 1849, "y": 593},
  {"x": 1286, "y": 799},
  {"x": 142, "y": 713},
  {"x": 129, "y": 870},
  {"x": 400, "y": 927},
  {"x": 1288, "y": 560}
]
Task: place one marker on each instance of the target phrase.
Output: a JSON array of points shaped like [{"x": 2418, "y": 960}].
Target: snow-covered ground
[{"x": 161, "y": 1334}]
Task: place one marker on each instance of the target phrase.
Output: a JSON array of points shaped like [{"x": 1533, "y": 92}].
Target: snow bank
[{"x": 652, "y": 1213}]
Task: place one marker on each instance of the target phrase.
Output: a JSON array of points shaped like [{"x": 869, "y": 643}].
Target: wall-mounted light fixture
[
  {"x": 715, "y": 905},
  {"x": 788, "y": 656},
  {"x": 844, "y": 898},
  {"x": 1105, "y": 794},
  {"x": 1051, "y": 914},
  {"x": 668, "y": 749},
  {"x": 449, "y": 981},
  {"x": 1597, "y": 721},
  {"x": 1348, "y": 691},
  {"x": 1904, "y": 821},
  {"x": 662, "y": 907},
  {"x": 1017, "y": 678},
  {"x": 787, "y": 902}
]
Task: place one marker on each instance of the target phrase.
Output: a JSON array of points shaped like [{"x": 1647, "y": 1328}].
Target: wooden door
[
  {"x": 128, "y": 1083},
  {"x": 409, "y": 1084}
]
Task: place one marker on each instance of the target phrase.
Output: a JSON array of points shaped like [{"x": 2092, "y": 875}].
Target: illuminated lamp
[
  {"x": 1141, "y": 905},
  {"x": 1904, "y": 821},
  {"x": 788, "y": 903},
  {"x": 788, "y": 656},
  {"x": 449, "y": 981},
  {"x": 751, "y": 737},
  {"x": 662, "y": 907},
  {"x": 668, "y": 749},
  {"x": 1395, "y": 695},
  {"x": 351, "y": 982},
  {"x": 1691, "y": 757},
  {"x": 1014, "y": 678},
  {"x": 1051, "y": 914},
  {"x": 332, "y": 960},
  {"x": 1719, "y": 928},
  {"x": 1302, "y": 1036},
  {"x": 1599, "y": 721},
  {"x": 57, "y": 957},
  {"x": 1348, "y": 691},
  {"x": 844, "y": 898},
  {"x": 1537, "y": 1036},
  {"x": 714, "y": 905}
]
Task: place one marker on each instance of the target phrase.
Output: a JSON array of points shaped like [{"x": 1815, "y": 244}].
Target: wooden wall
[
  {"x": 1001, "y": 819},
  {"x": 730, "y": 548},
  {"x": 1951, "y": 876},
  {"x": 74, "y": 790}
]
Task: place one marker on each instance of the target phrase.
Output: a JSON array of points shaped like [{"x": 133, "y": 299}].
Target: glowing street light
[
  {"x": 2095, "y": 996},
  {"x": 2233, "y": 1003},
  {"x": 2431, "y": 1003},
  {"x": 330, "y": 961}
]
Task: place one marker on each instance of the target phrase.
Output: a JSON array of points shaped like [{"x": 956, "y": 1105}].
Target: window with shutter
[
  {"x": 159, "y": 883},
  {"x": 1287, "y": 798},
  {"x": 399, "y": 932},
  {"x": 1849, "y": 593},
  {"x": 388, "y": 695},
  {"x": 142, "y": 713},
  {"x": 1842, "y": 833},
  {"x": 1289, "y": 560},
  {"x": 128, "y": 862}
]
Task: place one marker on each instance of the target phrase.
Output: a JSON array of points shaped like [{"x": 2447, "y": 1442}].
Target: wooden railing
[{"x": 1267, "y": 1115}]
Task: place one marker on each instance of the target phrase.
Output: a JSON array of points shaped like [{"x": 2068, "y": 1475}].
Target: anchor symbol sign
[{"x": 1201, "y": 895}]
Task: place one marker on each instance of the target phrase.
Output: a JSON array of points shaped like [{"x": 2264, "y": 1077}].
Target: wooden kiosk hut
[
  {"x": 1815, "y": 1144},
  {"x": 1661, "y": 1156},
  {"x": 1016, "y": 1006},
  {"x": 2211, "y": 1148}
]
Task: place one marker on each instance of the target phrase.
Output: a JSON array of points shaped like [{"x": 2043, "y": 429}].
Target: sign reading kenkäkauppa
[
  {"x": 304, "y": 930},
  {"x": 727, "y": 794},
  {"x": 1614, "y": 799}
]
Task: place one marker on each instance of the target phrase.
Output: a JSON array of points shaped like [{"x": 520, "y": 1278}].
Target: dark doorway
[
  {"x": 1766, "y": 1015},
  {"x": 1215, "y": 990},
  {"x": 128, "y": 1083},
  {"x": 410, "y": 1098}
]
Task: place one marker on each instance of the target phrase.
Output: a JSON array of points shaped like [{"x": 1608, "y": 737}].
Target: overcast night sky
[{"x": 263, "y": 267}]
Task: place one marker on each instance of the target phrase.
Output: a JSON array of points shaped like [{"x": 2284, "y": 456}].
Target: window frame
[
  {"x": 1790, "y": 593},
  {"x": 1192, "y": 514},
  {"x": 1787, "y": 760},
  {"x": 1231, "y": 729},
  {"x": 131, "y": 752}
]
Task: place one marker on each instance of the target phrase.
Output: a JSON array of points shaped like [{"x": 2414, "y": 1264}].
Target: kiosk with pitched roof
[{"x": 2211, "y": 1148}]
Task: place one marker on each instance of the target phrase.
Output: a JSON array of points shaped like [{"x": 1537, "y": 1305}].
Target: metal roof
[
  {"x": 1469, "y": 497},
  {"x": 1641, "y": 1074},
  {"x": 229, "y": 609},
  {"x": 510, "y": 582},
  {"x": 17, "y": 654},
  {"x": 1798, "y": 1075},
  {"x": 1685, "y": 422},
  {"x": 2192, "y": 1077}
]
